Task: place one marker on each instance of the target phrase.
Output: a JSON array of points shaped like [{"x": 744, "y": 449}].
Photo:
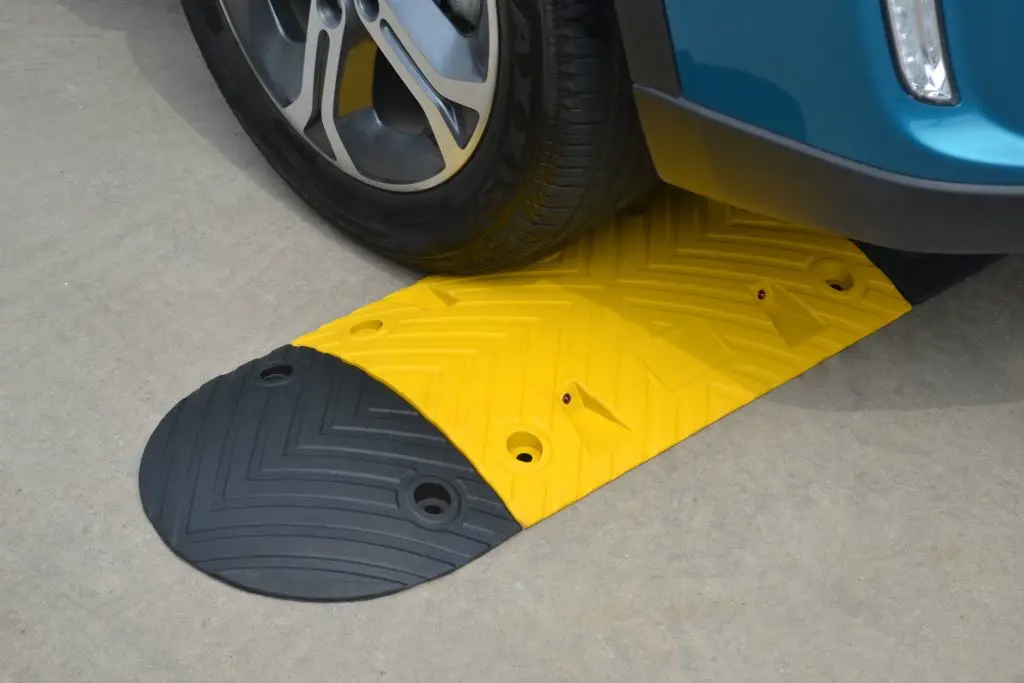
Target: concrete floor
[{"x": 863, "y": 523}]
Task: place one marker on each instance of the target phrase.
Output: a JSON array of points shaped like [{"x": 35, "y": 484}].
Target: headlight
[{"x": 917, "y": 41}]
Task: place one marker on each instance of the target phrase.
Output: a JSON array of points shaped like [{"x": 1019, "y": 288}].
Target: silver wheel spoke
[
  {"x": 395, "y": 93},
  {"x": 325, "y": 50},
  {"x": 442, "y": 68}
]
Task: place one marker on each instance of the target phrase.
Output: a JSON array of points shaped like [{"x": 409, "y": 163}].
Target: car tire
[{"x": 561, "y": 152}]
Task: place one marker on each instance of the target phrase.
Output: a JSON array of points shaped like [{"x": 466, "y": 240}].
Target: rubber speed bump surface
[
  {"x": 557, "y": 379},
  {"x": 400, "y": 442},
  {"x": 298, "y": 476}
]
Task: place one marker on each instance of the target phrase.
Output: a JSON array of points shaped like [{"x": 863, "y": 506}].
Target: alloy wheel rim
[{"x": 395, "y": 93}]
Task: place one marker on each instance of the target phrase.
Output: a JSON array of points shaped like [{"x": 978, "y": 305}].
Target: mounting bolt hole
[
  {"x": 432, "y": 498},
  {"x": 525, "y": 447},
  {"x": 370, "y": 9},
  {"x": 367, "y": 327},
  {"x": 276, "y": 373},
  {"x": 835, "y": 274}
]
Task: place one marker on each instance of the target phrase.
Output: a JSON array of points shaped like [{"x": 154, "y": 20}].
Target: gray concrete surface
[{"x": 863, "y": 523}]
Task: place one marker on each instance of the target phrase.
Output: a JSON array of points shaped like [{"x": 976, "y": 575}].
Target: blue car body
[{"x": 797, "y": 109}]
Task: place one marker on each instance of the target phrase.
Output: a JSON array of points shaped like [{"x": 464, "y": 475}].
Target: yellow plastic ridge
[{"x": 557, "y": 379}]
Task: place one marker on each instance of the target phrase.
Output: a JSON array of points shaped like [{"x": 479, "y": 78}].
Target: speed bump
[
  {"x": 559, "y": 378},
  {"x": 403, "y": 440}
]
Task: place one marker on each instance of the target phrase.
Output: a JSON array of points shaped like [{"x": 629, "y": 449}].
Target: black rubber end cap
[{"x": 299, "y": 476}]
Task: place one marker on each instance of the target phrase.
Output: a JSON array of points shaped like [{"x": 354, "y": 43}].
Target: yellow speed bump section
[{"x": 557, "y": 379}]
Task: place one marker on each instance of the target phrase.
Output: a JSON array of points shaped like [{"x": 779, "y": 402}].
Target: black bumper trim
[
  {"x": 648, "y": 45},
  {"x": 704, "y": 152}
]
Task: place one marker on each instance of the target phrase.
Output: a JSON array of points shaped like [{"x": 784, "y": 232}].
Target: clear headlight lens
[{"x": 920, "y": 49}]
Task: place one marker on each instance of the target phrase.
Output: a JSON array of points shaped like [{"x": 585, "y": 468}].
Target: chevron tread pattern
[
  {"x": 299, "y": 476},
  {"x": 556, "y": 379}
]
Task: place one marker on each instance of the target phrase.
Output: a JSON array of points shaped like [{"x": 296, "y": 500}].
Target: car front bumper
[{"x": 711, "y": 152}]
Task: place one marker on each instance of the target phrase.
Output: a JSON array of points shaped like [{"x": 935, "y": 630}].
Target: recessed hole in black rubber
[
  {"x": 276, "y": 373},
  {"x": 432, "y": 498},
  {"x": 369, "y": 9}
]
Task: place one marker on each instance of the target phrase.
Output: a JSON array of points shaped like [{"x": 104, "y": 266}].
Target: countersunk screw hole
[
  {"x": 525, "y": 447},
  {"x": 836, "y": 275},
  {"x": 761, "y": 294},
  {"x": 566, "y": 399},
  {"x": 432, "y": 498},
  {"x": 276, "y": 373}
]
